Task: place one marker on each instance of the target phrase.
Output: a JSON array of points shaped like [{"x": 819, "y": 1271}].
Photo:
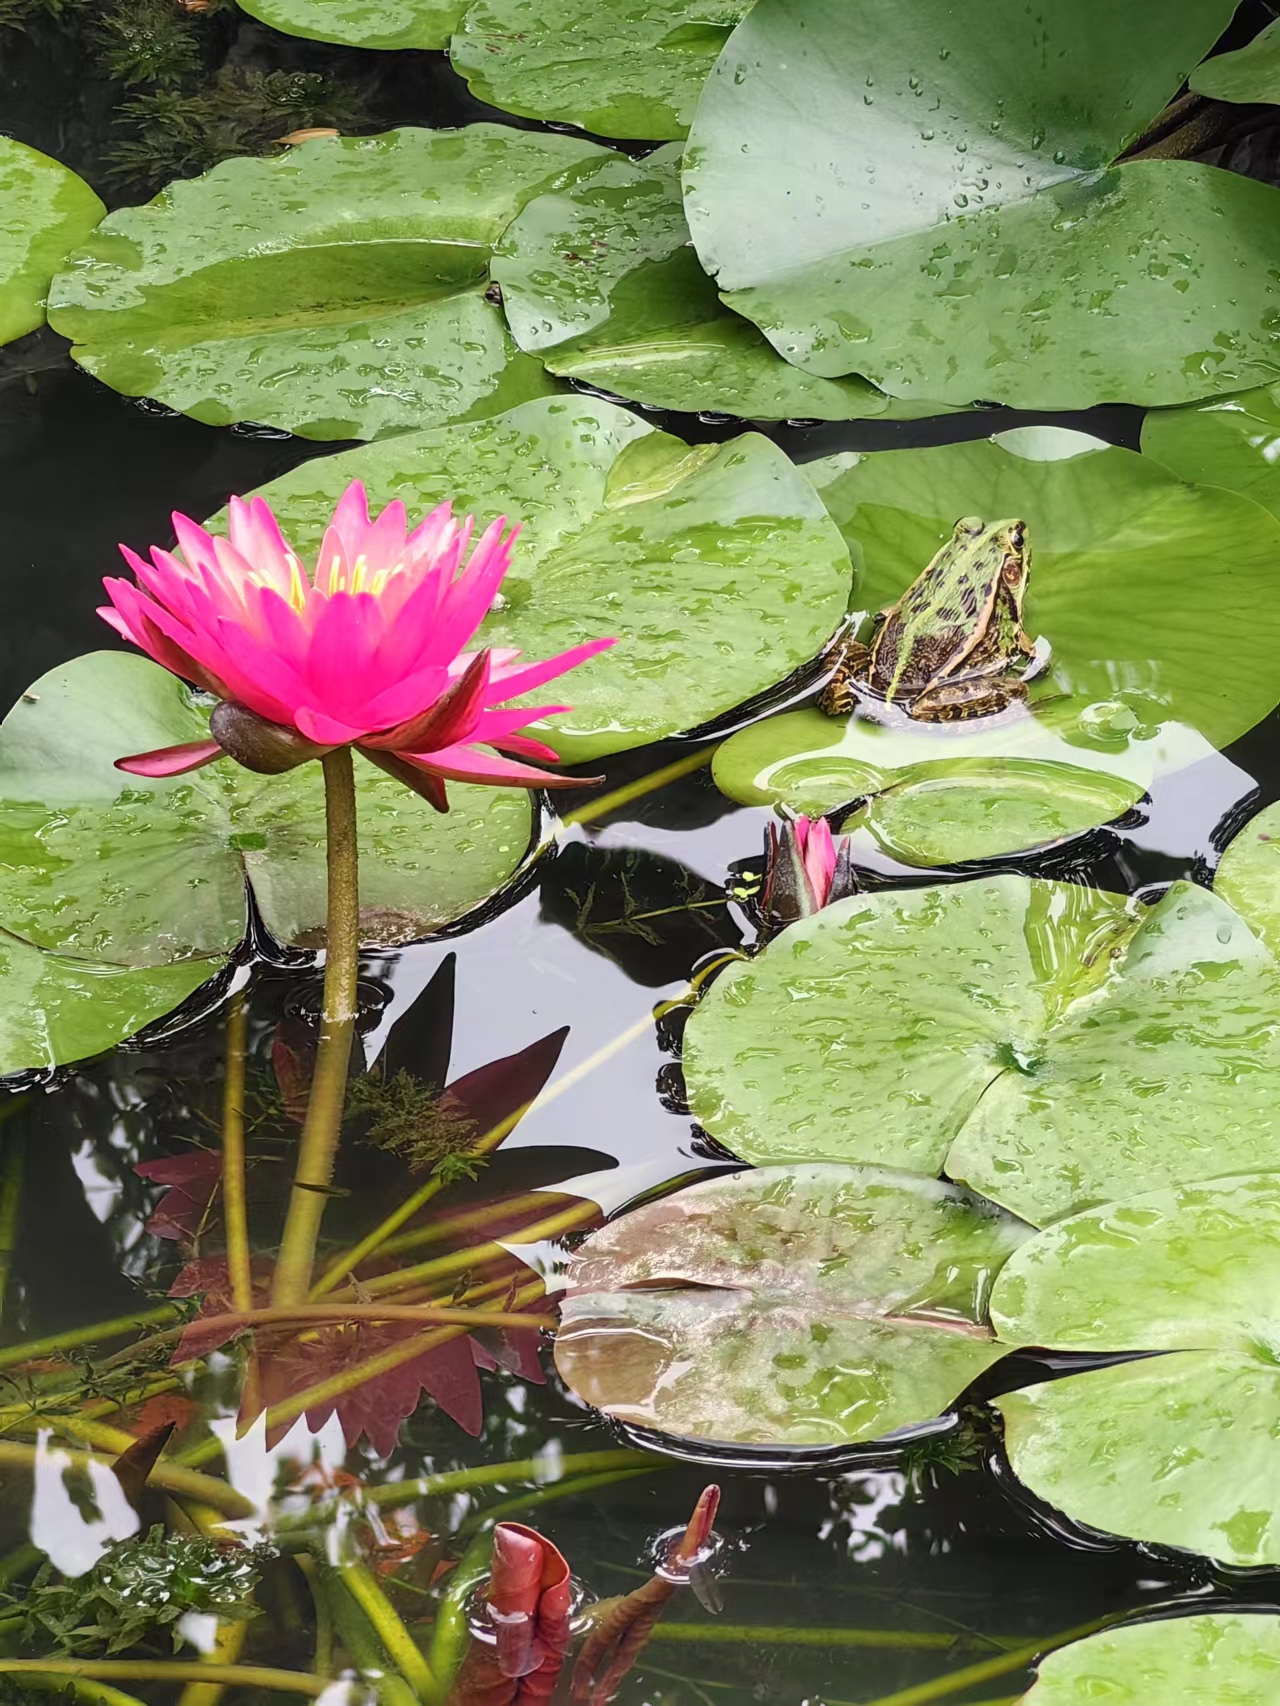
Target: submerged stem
[
  {"x": 233, "y": 1177},
  {"x": 166, "y": 1670},
  {"x": 323, "y": 1125}
]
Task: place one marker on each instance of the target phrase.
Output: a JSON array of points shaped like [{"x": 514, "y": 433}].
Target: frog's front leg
[
  {"x": 839, "y": 697},
  {"x": 967, "y": 696}
]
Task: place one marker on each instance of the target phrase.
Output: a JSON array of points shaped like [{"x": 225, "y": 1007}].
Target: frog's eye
[
  {"x": 1017, "y": 536},
  {"x": 973, "y": 525}
]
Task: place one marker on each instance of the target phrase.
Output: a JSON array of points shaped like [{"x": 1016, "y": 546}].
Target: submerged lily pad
[
  {"x": 1248, "y": 875},
  {"x": 715, "y": 566},
  {"x": 1205, "y": 1660},
  {"x": 1015, "y": 1034},
  {"x": 1251, "y": 73},
  {"x": 926, "y": 810},
  {"x": 1234, "y": 442},
  {"x": 363, "y": 23},
  {"x": 919, "y": 193},
  {"x": 1153, "y": 595},
  {"x": 1176, "y": 1449},
  {"x": 600, "y": 282},
  {"x": 45, "y": 210},
  {"x": 629, "y": 68},
  {"x": 337, "y": 291},
  {"x": 801, "y": 1306},
  {"x": 110, "y": 868}
]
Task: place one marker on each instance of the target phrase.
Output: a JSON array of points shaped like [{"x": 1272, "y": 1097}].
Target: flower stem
[
  {"x": 323, "y": 1125},
  {"x": 233, "y": 1186},
  {"x": 168, "y": 1476}
]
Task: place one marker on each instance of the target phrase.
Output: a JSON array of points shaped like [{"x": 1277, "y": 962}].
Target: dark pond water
[{"x": 880, "y": 1579}]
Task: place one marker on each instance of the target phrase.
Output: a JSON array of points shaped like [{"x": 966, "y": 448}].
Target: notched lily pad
[
  {"x": 923, "y": 197},
  {"x": 107, "y": 867},
  {"x": 1251, "y": 73},
  {"x": 715, "y": 566},
  {"x": 924, "y": 810},
  {"x": 805, "y": 1306},
  {"x": 1015, "y": 1034},
  {"x": 1233, "y": 442},
  {"x": 45, "y": 210},
  {"x": 1203, "y": 1660},
  {"x": 337, "y": 291},
  {"x": 363, "y": 23},
  {"x": 601, "y": 283},
  {"x": 1248, "y": 875},
  {"x": 1177, "y": 1449},
  {"x": 628, "y": 68}
]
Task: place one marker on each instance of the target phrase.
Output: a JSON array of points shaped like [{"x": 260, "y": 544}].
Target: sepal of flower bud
[{"x": 265, "y": 747}]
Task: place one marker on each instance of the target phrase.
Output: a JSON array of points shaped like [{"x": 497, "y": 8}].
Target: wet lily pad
[
  {"x": 1205, "y": 1660},
  {"x": 1248, "y": 875},
  {"x": 1176, "y": 1449},
  {"x": 1153, "y": 595},
  {"x": 925, "y": 810},
  {"x": 1251, "y": 73},
  {"x": 923, "y": 197},
  {"x": 600, "y": 282},
  {"x": 1015, "y": 1034},
  {"x": 363, "y": 23},
  {"x": 1234, "y": 442},
  {"x": 715, "y": 566},
  {"x": 45, "y": 210},
  {"x": 800, "y": 1306},
  {"x": 628, "y": 68},
  {"x": 109, "y": 868},
  {"x": 337, "y": 291}
]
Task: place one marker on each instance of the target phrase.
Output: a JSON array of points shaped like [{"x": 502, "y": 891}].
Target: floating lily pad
[
  {"x": 1153, "y": 595},
  {"x": 600, "y": 282},
  {"x": 629, "y": 68},
  {"x": 110, "y": 868},
  {"x": 921, "y": 195},
  {"x": 1251, "y": 73},
  {"x": 1248, "y": 876},
  {"x": 363, "y": 23},
  {"x": 924, "y": 810},
  {"x": 45, "y": 210},
  {"x": 1177, "y": 1449},
  {"x": 337, "y": 291},
  {"x": 1016, "y": 1034},
  {"x": 1205, "y": 1660},
  {"x": 1234, "y": 442},
  {"x": 799, "y": 1306},
  {"x": 715, "y": 566}
]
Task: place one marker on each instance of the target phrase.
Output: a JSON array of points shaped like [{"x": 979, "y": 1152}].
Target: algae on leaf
[
  {"x": 45, "y": 210},
  {"x": 338, "y": 291},
  {"x": 601, "y": 283},
  {"x": 715, "y": 566},
  {"x": 923, "y": 194},
  {"x": 797, "y": 1306}
]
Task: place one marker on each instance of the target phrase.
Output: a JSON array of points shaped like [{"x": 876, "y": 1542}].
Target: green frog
[{"x": 953, "y": 645}]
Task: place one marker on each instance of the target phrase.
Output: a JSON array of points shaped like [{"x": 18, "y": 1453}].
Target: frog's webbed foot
[
  {"x": 839, "y": 697},
  {"x": 967, "y": 696}
]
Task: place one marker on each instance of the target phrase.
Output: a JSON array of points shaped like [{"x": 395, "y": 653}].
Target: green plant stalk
[
  {"x": 29, "y": 1419},
  {"x": 170, "y": 1477},
  {"x": 77, "y": 1336},
  {"x": 322, "y": 1662},
  {"x": 165, "y": 1670},
  {"x": 80, "y": 1688},
  {"x": 226, "y": 1651},
  {"x": 791, "y": 1635},
  {"x": 471, "y": 1220},
  {"x": 401, "y": 1648},
  {"x": 650, "y": 784},
  {"x": 987, "y": 1670},
  {"x": 345, "y": 1614},
  {"x": 322, "y": 1127},
  {"x": 460, "y": 1261},
  {"x": 234, "y": 1207},
  {"x": 391, "y": 1493}
]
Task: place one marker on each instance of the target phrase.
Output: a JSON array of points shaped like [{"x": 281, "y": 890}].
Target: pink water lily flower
[
  {"x": 368, "y": 651},
  {"x": 805, "y": 870}
]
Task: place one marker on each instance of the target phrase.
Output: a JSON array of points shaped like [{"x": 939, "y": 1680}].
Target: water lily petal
[{"x": 172, "y": 760}]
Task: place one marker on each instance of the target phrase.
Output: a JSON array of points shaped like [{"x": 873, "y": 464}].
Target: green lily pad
[
  {"x": 629, "y": 68},
  {"x": 922, "y": 196},
  {"x": 112, "y": 868},
  {"x": 1015, "y": 1034},
  {"x": 601, "y": 284},
  {"x": 805, "y": 1306},
  {"x": 45, "y": 210},
  {"x": 1205, "y": 1660},
  {"x": 1177, "y": 1449},
  {"x": 715, "y": 566},
  {"x": 1251, "y": 73},
  {"x": 337, "y": 291},
  {"x": 1153, "y": 595},
  {"x": 1234, "y": 442},
  {"x": 923, "y": 810},
  {"x": 1248, "y": 875},
  {"x": 363, "y": 23}
]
